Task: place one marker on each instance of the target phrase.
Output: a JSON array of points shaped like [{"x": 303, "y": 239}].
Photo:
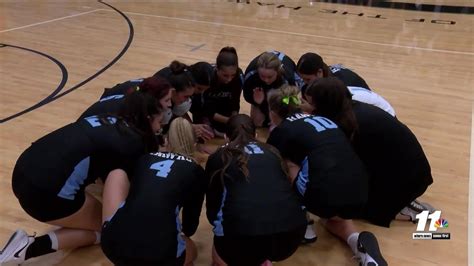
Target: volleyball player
[
  {"x": 112, "y": 99},
  {"x": 201, "y": 73},
  {"x": 326, "y": 171},
  {"x": 399, "y": 171},
  {"x": 50, "y": 177},
  {"x": 255, "y": 213},
  {"x": 266, "y": 72},
  {"x": 142, "y": 206},
  {"x": 311, "y": 67},
  {"x": 189, "y": 82},
  {"x": 222, "y": 99}
]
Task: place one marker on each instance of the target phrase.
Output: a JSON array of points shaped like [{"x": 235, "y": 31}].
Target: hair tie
[{"x": 293, "y": 99}]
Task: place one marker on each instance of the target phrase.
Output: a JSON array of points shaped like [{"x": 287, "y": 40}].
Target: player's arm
[{"x": 293, "y": 170}]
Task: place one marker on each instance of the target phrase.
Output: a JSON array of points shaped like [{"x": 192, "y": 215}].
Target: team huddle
[{"x": 335, "y": 149}]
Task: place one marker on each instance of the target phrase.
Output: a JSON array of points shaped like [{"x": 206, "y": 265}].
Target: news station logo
[{"x": 436, "y": 222}]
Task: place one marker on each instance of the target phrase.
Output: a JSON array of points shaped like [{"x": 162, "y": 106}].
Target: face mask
[
  {"x": 181, "y": 109},
  {"x": 167, "y": 114}
]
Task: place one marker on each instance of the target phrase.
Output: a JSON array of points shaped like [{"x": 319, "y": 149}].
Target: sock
[
  {"x": 352, "y": 242},
  {"x": 97, "y": 238},
  {"x": 54, "y": 241},
  {"x": 41, "y": 246}
]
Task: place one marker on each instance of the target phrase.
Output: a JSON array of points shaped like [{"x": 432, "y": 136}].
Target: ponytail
[
  {"x": 177, "y": 67},
  {"x": 241, "y": 131},
  {"x": 180, "y": 78},
  {"x": 284, "y": 101},
  {"x": 181, "y": 137}
]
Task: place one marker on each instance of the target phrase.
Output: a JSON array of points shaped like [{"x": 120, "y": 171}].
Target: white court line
[
  {"x": 470, "y": 230},
  {"x": 301, "y": 34},
  {"x": 48, "y": 21}
]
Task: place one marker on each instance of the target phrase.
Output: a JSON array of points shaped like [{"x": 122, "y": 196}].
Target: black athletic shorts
[
  {"x": 42, "y": 204},
  {"x": 117, "y": 257},
  {"x": 254, "y": 250}
]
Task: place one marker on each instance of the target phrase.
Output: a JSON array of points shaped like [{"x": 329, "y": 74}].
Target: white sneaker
[
  {"x": 15, "y": 249},
  {"x": 310, "y": 235},
  {"x": 368, "y": 252},
  {"x": 415, "y": 207}
]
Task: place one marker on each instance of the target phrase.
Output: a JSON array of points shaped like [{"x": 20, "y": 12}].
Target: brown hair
[
  {"x": 136, "y": 110},
  {"x": 180, "y": 78},
  {"x": 227, "y": 57},
  {"x": 241, "y": 131},
  {"x": 311, "y": 63},
  {"x": 332, "y": 99}
]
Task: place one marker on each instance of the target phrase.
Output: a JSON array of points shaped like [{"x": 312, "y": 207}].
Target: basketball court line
[
  {"x": 80, "y": 84},
  {"x": 470, "y": 230},
  {"x": 301, "y": 34},
  {"x": 51, "y": 20}
]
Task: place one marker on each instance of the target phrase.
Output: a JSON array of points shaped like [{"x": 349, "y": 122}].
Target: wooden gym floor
[{"x": 422, "y": 62}]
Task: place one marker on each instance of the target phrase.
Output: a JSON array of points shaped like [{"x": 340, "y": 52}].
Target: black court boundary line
[
  {"x": 124, "y": 50},
  {"x": 56, "y": 91},
  {"x": 56, "y": 96}
]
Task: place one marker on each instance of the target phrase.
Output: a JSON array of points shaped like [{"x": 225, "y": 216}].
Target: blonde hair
[
  {"x": 181, "y": 137},
  {"x": 284, "y": 101},
  {"x": 270, "y": 60}
]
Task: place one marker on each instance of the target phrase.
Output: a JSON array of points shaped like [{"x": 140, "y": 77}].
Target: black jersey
[
  {"x": 220, "y": 98},
  {"x": 107, "y": 105},
  {"x": 198, "y": 105},
  {"x": 332, "y": 178},
  {"x": 147, "y": 226},
  {"x": 74, "y": 156},
  {"x": 263, "y": 203},
  {"x": 223, "y": 98},
  {"x": 112, "y": 99},
  {"x": 122, "y": 88},
  {"x": 347, "y": 76},
  {"x": 398, "y": 168}
]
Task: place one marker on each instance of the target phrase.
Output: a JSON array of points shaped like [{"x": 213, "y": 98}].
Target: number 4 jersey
[{"x": 147, "y": 226}]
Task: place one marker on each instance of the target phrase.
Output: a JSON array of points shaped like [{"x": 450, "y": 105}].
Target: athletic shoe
[
  {"x": 415, "y": 207},
  {"x": 310, "y": 235},
  {"x": 368, "y": 250},
  {"x": 15, "y": 249}
]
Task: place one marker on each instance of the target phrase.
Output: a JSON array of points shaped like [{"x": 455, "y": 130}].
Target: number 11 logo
[{"x": 436, "y": 221}]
